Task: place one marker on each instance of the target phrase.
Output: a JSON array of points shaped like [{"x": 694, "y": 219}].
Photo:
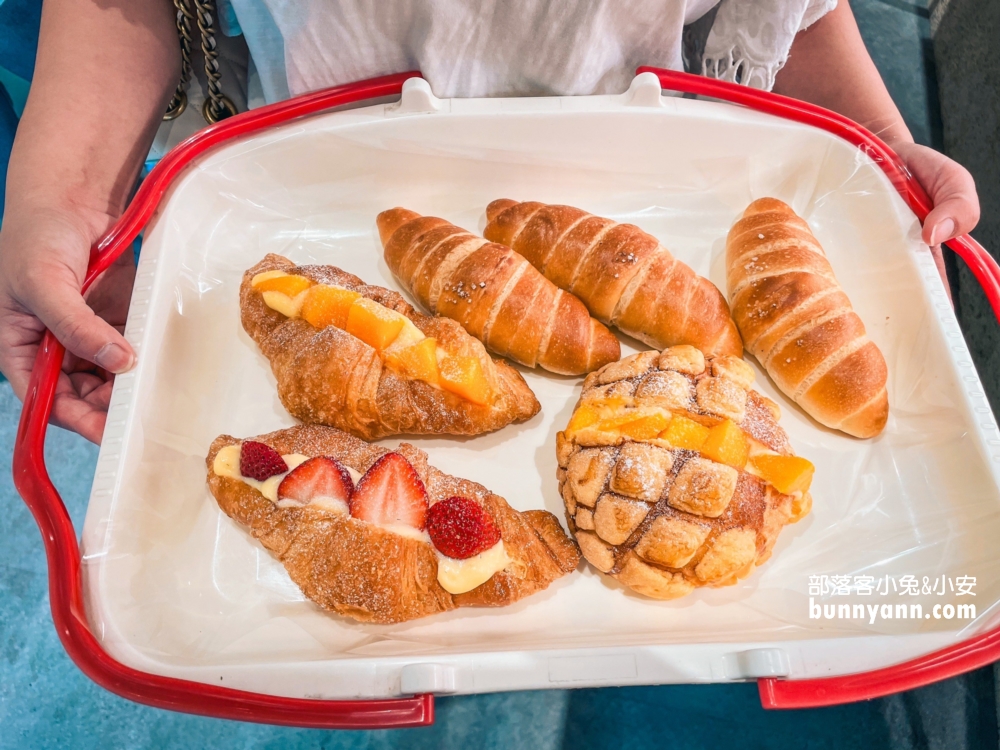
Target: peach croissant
[{"x": 360, "y": 358}]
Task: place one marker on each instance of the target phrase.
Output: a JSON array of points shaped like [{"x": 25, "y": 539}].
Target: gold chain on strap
[
  {"x": 217, "y": 106},
  {"x": 179, "y": 103}
]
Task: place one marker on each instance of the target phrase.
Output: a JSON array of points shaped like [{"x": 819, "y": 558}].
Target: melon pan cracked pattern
[{"x": 663, "y": 520}]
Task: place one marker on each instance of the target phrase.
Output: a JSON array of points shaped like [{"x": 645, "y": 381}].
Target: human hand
[
  {"x": 829, "y": 65},
  {"x": 952, "y": 192},
  {"x": 43, "y": 260}
]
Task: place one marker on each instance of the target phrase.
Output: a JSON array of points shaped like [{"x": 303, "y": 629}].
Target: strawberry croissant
[
  {"x": 495, "y": 294},
  {"x": 379, "y": 535}
]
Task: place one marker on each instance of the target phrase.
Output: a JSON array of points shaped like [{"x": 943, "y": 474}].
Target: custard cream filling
[
  {"x": 455, "y": 576},
  {"x": 290, "y": 307},
  {"x": 227, "y": 464},
  {"x": 460, "y": 576}
]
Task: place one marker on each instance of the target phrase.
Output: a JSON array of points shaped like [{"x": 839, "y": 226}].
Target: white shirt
[{"x": 470, "y": 48}]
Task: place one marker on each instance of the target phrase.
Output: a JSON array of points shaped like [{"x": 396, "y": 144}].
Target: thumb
[
  {"x": 956, "y": 207},
  {"x": 63, "y": 311},
  {"x": 940, "y": 224}
]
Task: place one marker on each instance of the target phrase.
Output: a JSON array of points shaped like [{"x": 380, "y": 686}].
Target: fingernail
[
  {"x": 943, "y": 231},
  {"x": 114, "y": 358}
]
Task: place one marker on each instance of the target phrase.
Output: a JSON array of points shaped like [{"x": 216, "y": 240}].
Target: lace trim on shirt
[
  {"x": 750, "y": 39},
  {"x": 738, "y": 67}
]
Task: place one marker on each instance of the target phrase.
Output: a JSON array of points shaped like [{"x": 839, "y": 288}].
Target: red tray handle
[
  {"x": 61, "y": 549},
  {"x": 962, "y": 657}
]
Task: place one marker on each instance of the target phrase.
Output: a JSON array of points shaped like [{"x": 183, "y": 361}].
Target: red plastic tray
[{"x": 60, "y": 539}]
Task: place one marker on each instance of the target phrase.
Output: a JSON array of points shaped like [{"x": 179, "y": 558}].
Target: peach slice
[
  {"x": 374, "y": 324},
  {"x": 787, "y": 474},
  {"x": 616, "y": 422},
  {"x": 418, "y": 361},
  {"x": 582, "y": 418},
  {"x": 290, "y": 286},
  {"x": 328, "y": 306},
  {"x": 646, "y": 428},
  {"x": 727, "y": 444},
  {"x": 685, "y": 433},
  {"x": 464, "y": 377}
]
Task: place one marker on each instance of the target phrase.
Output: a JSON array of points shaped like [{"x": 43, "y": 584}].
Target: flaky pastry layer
[{"x": 363, "y": 571}]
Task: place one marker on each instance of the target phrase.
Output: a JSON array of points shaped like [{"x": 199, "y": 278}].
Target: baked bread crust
[
  {"x": 624, "y": 276},
  {"x": 495, "y": 294},
  {"x": 362, "y": 571},
  {"x": 798, "y": 322},
  {"x": 327, "y": 376},
  {"x": 663, "y": 520}
]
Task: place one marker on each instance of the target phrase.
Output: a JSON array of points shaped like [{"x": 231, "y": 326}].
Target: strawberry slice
[
  {"x": 391, "y": 492},
  {"x": 461, "y": 528},
  {"x": 321, "y": 480},
  {"x": 260, "y": 461}
]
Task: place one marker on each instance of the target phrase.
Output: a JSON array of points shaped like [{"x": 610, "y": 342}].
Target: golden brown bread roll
[
  {"x": 495, "y": 294},
  {"x": 624, "y": 276},
  {"x": 327, "y": 376},
  {"x": 367, "y": 572},
  {"x": 798, "y": 323}
]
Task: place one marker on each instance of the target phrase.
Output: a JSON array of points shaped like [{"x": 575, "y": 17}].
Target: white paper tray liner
[{"x": 173, "y": 583}]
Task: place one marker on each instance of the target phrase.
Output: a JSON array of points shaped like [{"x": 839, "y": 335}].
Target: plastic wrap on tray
[{"x": 173, "y": 583}]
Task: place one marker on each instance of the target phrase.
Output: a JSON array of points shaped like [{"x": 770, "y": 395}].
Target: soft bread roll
[
  {"x": 624, "y": 276},
  {"x": 327, "y": 376},
  {"x": 495, "y": 294},
  {"x": 798, "y": 323},
  {"x": 365, "y": 572}
]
